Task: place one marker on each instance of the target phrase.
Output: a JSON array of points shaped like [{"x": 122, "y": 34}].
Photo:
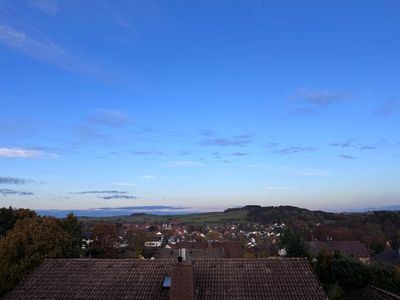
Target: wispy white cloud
[
  {"x": 125, "y": 24},
  {"x": 20, "y": 41},
  {"x": 278, "y": 188},
  {"x": 183, "y": 163},
  {"x": 101, "y": 192},
  {"x": 149, "y": 177},
  {"x": 307, "y": 172},
  {"x": 346, "y": 156},
  {"x": 124, "y": 184},
  {"x": 42, "y": 50},
  {"x": 25, "y": 153},
  {"x": 48, "y": 7}
]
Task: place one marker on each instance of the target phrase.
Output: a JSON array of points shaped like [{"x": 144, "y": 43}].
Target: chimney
[
  {"x": 182, "y": 255},
  {"x": 182, "y": 282}
]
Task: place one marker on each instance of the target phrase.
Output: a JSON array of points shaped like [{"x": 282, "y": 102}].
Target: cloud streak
[
  {"x": 236, "y": 141},
  {"x": 14, "y": 180},
  {"x": 307, "y": 172},
  {"x": 345, "y": 156},
  {"x": 9, "y": 192},
  {"x": 182, "y": 163},
  {"x": 345, "y": 144},
  {"x": 387, "y": 109},
  {"x": 292, "y": 150},
  {"x": 110, "y": 118},
  {"x": 124, "y": 184},
  {"x": 310, "y": 101},
  {"x": 101, "y": 192},
  {"x": 278, "y": 188},
  {"x": 321, "y": 97},
  {"x": 44, "y": 51},
  {"x": 240, "y": 153},
  {"x": 24, "y": 153},
  {"x": 149, "y": 153},
  {"x": 48, "y": 7},
  {"x": 355, "y": 145},
  {"x": 148, "y": 177},
  {"x": 110, "y": 197}
]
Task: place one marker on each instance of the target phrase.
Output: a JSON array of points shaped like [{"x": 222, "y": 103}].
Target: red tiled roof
[
  {"x": 95, "y": 279},
  {"x": 350, "y": 248},
  {"x": 288, "y": 278},
  {"x": 389, "y": 256},
  {"x": 256, "y": 279},
  {"x": 231, "y": 249},
  {"x": 191, "y": 253},
  {"x": 190, "y": 245},
  {"x": 182, "y": 274}
]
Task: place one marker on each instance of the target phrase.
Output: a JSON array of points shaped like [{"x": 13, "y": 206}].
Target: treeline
[{"x": 27, "y": 239}]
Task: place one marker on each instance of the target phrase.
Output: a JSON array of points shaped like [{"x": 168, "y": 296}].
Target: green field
[{"x": 199, "y": 218}]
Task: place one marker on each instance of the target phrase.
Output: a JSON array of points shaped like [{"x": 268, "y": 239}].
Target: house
[
  {"x": 231, "y": 249},
  {"x": 156, "y": 241},
  {"x": 389, "y": 256},
  {"x": 347, "y": 248},
  {"x": 278, "y": 278}
]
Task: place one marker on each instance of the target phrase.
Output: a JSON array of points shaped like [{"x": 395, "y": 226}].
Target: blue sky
[{"x": 202, "y": 104}]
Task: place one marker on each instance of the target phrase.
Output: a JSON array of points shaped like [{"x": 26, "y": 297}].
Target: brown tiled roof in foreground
[
  {"x": 290, "y": 278},
  {"x": 287, "y": 278},
  {"x": 192, "y": 253}
]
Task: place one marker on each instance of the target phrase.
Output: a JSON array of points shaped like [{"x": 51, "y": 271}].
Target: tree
[
  {"x": 344, "y": 275},
  {"x": 105, "y": 238},
  {"x": 293, "y": 243},
  {"x": 74, "y": 228},
  {"x": 28, "y": 244},
  {"x": 136, "y": 239},
  {"x": 9, "y": 216},
  {"x": 213, "y": 235},
  {"x": 7, "y": 220}
]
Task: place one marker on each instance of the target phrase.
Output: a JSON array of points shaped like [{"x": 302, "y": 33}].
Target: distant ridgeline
[
  {"x": 291, "y": 214},
  {"x": 284, "y": 214}
]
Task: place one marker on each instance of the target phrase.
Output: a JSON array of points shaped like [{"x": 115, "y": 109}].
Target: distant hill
[
  {"x": 118, "y": 211},
  {"x": 253, "y": 214},
  {"x": 283, "y": 214},
  {"x": 381, "y": 208}
]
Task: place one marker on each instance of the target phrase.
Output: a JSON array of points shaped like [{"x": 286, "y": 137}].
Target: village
[{"x": 167, "y": 240}]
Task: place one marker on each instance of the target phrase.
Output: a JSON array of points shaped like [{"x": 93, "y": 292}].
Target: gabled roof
[
  {"x": 288, "y": 278},
  {"x": 232, "y": 249},
  {"x": 389, "y": 256},
  {"x": 349, "y": 248}
]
